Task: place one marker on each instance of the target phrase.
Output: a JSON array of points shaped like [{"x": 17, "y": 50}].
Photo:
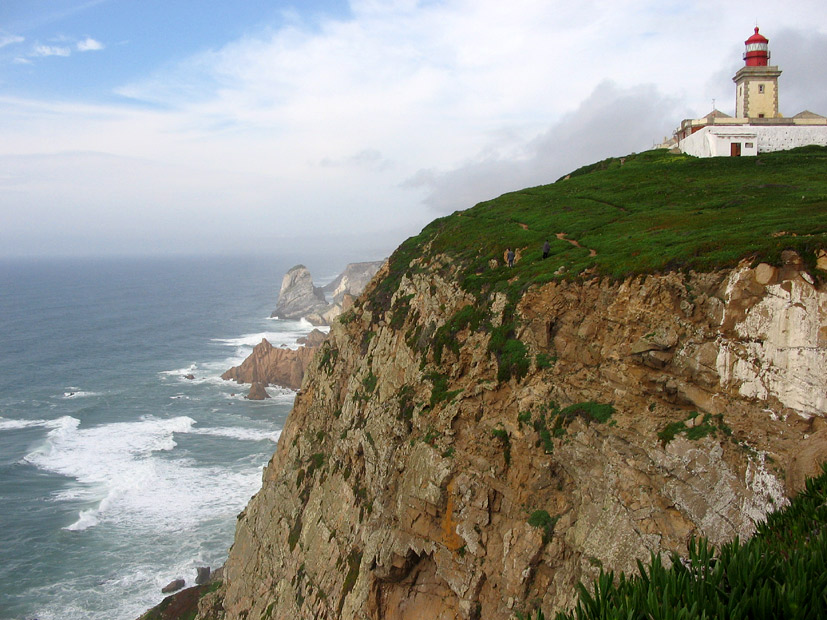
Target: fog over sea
[{"x": 117, "y": 473}]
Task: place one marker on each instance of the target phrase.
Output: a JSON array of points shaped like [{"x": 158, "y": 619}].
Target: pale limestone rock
[
  {"x": 764, "y": 273},
  {"x": 779, "y": 349}
]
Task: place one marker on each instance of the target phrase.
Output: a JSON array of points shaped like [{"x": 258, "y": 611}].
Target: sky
[{"x": 252, "y": 126}]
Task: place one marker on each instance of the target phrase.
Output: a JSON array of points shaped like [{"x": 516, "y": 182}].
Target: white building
[{"x": 758, "y": 127}]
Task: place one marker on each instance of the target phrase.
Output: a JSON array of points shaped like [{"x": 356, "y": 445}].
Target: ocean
[{"x": 118, "y": 473}]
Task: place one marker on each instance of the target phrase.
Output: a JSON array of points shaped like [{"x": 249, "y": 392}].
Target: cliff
[{"x": 471, "y": 440}]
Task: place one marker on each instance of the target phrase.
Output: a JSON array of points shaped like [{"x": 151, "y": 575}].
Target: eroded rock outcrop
[
  {"x": 299, "y": 298},
  {"x": 411, "y": 482},
  {"x": 352, "y": 280},
  {"x": 268, "y": 365}
]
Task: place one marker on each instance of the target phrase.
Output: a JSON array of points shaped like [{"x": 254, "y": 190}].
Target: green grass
[
  {"x": 656, "y": 212},
  {"x": 652, "y": 213},
  {"x": 781, "y": 572}
]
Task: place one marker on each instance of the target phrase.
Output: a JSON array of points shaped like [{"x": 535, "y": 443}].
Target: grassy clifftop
[{"x": 650, "y": 212}]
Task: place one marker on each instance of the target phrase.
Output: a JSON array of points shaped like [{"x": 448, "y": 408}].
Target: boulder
[
  {"x": 313, "y": 339},
  {"x": 173, "y": 586},
  {"x": 202, "y": 575},
  {"x": 257, "y": 392}
]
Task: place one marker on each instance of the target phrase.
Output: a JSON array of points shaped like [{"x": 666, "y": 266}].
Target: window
[
  {"x": 760, "y": 88},
  {"x": 749, "y": 145}
]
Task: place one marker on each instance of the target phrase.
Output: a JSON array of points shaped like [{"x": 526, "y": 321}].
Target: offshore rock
[
  {"x": 271, "y": 365},
  {"x": 257, "y": 392},
  {"x": 298, "y": 297},
  {"x": 172, "y": 586},
  {"x": 352, "y": 280},
  {"x": 202, "y": 575},
  {"x": 409, "y": 481}
]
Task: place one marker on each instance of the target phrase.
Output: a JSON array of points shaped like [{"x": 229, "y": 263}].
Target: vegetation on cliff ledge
[
  {"x": 781, "y": 572},
  {"x": 651, "y": 212},
  {"x": 646, "y": 213}
]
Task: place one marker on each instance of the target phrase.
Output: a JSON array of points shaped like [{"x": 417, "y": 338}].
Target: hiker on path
[
  {"x": 510, "y": 257},
  {"x": 546, "y": 249}
]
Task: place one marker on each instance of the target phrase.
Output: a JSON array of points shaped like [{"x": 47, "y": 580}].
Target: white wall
[{"x": 716, "y": 141}]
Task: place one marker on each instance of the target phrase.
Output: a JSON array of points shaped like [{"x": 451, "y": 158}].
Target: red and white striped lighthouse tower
[
  {"x": 756, "y": 83},
  {"x": 758, "y": 50}
]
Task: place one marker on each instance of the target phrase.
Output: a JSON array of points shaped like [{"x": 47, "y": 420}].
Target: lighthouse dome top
[
  {"x": 757, "y": 38},
  {"x": 757, "y": 53}
]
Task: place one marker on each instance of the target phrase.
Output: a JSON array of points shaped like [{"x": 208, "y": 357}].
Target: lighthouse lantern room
[{"x": 756, "y": 83}]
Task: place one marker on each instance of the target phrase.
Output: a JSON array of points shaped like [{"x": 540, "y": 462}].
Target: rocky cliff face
[{"x": 415, "y": 479}]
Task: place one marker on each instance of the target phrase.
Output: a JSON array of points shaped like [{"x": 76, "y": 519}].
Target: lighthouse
[
  {"x": 758, "y": 126},
  {"x": 756, "y": 83}
]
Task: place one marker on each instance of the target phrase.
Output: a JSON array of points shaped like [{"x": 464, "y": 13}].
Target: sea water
[{"x": 118, "y": 473}]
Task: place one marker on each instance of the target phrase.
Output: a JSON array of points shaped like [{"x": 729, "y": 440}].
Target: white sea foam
[
  {"x": 180, "y": 372},
  {"x": 123, "y": 467},
  {"x": 251, "y": 340},
  {"x": 7, "y": 424},
  {"x": 243, "y": 434},
  {"x": 78, "y": 393}
]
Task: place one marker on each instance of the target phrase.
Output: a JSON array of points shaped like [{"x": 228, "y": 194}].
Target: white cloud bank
[{"x": 360, "y": 125}]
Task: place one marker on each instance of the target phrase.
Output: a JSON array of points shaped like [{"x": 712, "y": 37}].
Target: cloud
[
  {"x": 42, "y": 51},
  {"x": 10, "y": 39},
  {"x": 315, "y": 125},
  {"x": 89, "y": 45},
  {"x": 611, "y": 121},
  {"x": 370, "y": 159},
  {"x": 800, "y": 56}
]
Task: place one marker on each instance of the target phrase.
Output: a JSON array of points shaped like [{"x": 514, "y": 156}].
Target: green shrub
[
  {"x": 698, "y": 431},
  {"x": 329, "y": 357},
  {"x": 502, "y": 435},
  {"x": 446, "y": 336},
  {"x": 354, "y": 561},
  {"x": 544, "y": 361},
  {"x": 369, "y": 382},
  {"x": 406, "y": 404},
  {"x": 400, "y": 310},
  {"x": 543, "y": 520},
  {"x": 440, "y": 391},
  {"x": 589, "y": 411}
]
